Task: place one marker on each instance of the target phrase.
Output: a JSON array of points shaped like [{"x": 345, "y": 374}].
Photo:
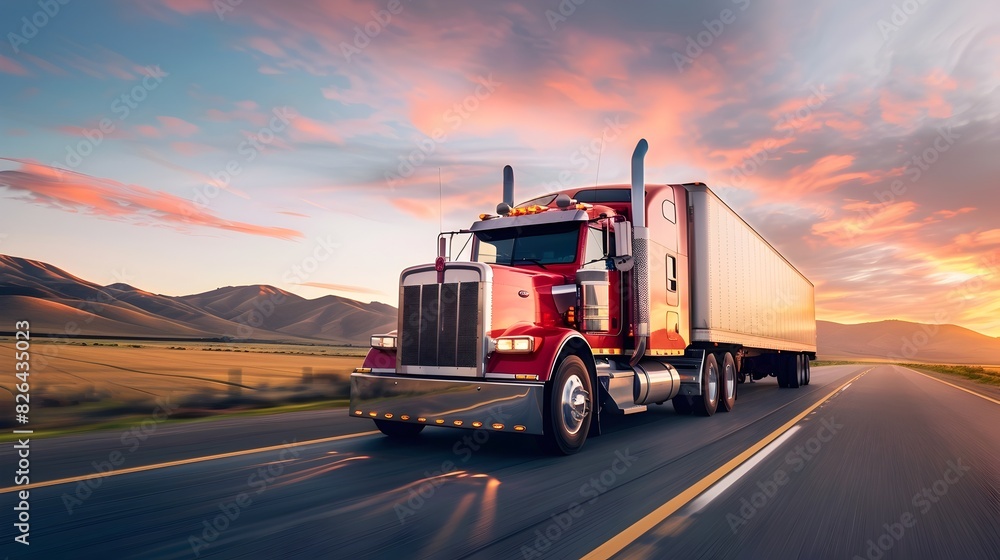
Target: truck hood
[{"x": 524, "y": 295}]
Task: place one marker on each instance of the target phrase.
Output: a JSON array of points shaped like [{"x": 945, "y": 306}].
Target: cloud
[
  {"x": 10, "y": 66},
  {"x": 70, "y": 191}
]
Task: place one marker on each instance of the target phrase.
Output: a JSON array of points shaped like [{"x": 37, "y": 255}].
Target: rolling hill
[
  {"x": 902, "y": 341},
  {"x": 60, "y": 303}
]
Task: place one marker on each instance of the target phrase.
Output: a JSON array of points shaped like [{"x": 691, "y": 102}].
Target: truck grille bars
[{"x": 440, "y": 325}]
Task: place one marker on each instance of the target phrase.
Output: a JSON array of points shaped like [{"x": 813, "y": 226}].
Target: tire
[
  {"x": 794, "y": 371},
  {"x": 570, "y": 407},
  {"x": 399, "y": 430},
  {"x": 682, "y": 405},
  {"x": 808, "y": 373},
  {"x": 727, "y": 382},
  {"x": 706, "y": 403}
]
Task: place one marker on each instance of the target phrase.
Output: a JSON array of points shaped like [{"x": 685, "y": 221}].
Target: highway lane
[
  {"x": 453, "y": 495},
  {"x": 897, "y": 466}
]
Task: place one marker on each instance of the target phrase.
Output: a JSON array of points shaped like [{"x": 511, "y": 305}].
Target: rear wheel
[
  {"x": 808, "y": 374},
  {"x": 708, "y": 401},
  {"x": 727, "y": 376},
  {"x": 794, "y": 370},
  {"x": 570, "y": 407},
  {"x": 399, "y": 430}
]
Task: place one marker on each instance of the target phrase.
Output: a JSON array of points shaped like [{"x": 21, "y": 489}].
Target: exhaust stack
[
  {"x": 508, "y": 191},
  {"x": 640, "y": 254}
]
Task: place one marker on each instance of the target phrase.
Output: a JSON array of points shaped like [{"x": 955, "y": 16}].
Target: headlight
[
  {"x": 384, "y": 341},
  {"x": 515, "y": 344}
]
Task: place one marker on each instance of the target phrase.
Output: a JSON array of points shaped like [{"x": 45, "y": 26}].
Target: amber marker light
[
  {"x": 457, "y": 422},
  {"x": 404, "y": 417},
  {"x": 518, "y": 428},
  {"x": 497, "y": 426},
  {"x": 477, "y": 424},
  {"x": 439, "y": 421}
]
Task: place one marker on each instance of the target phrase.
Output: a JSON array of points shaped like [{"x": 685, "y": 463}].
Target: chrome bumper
[{"x": 455, "y": 403}]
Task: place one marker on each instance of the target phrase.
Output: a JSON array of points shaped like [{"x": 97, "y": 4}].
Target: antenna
[
  {"x": 440, "y": 196},
  {"x": 597, "y": 179}
]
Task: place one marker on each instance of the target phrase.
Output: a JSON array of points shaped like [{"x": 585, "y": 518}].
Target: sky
[{"x": 184, "y": 145}]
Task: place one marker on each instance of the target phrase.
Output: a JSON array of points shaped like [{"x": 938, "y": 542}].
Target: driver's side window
[{"x": 593, "y": 257}]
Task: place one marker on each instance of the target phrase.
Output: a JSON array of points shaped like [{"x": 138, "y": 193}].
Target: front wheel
[
  {"x": 399, "y": 430},
  {"x": 570, "y": 407}
]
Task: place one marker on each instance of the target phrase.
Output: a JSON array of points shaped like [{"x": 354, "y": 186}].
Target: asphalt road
[{"x": 895, "y": 466}]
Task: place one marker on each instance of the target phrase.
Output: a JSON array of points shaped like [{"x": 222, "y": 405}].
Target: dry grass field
[{"x": 108, "y": 377}]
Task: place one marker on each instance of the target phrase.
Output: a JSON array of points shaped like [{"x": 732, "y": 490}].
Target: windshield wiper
[{"x": 533, "y": 261}]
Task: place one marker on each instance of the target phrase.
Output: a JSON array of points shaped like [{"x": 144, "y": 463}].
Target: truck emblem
[{"x": 523, "y": 293}]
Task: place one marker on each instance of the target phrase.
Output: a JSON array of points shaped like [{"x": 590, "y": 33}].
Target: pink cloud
[
  {"x": 76, "y": 192},
  {"x": 304, "y": 129},
  {"x": 176, "y": 126},
  {"x": 10, "y": 66}
]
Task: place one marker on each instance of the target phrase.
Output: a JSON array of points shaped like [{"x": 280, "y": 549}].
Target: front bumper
[{"x": 455, "y": 403}]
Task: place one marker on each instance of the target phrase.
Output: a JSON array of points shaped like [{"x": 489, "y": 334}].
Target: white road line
[
  {"x": 845, "y": 387},
  {"x": 712, "y": 493}
]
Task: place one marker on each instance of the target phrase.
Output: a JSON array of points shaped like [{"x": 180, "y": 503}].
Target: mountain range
[{"x": 58, "y": 303}]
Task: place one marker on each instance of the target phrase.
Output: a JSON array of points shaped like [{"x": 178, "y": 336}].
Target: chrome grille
[{"x": 440, "y": 325}]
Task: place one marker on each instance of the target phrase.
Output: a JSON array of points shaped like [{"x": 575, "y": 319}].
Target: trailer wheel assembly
[
  {"x": 706, "y": 403},
  {"x": 727, "y": 377}
]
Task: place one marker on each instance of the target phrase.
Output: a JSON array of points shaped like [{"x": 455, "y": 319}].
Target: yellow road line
[
  {"x": 618, "y": 543},
  {"x": 179, "y": 462},
  {"x": 971, "y": 392}
]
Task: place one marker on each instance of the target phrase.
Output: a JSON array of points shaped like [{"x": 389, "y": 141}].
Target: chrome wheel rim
[
  {"x": 573, "y": 404},
  {"x": 713, "y": 384}
]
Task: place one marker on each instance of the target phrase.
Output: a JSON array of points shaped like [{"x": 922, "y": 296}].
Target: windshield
[{"x": 543, "y": 244}]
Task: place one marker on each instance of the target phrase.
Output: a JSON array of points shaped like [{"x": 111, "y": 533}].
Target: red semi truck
[{"x": 588, "y": 302}]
